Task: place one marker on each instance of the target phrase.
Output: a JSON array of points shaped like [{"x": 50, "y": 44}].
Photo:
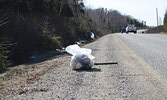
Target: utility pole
[
  {"x": 157, "y": 15},
  {"x": 145, "y": 23}
]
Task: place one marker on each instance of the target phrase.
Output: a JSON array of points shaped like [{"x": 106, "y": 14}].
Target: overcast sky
[{"x": 139, "y": 9}]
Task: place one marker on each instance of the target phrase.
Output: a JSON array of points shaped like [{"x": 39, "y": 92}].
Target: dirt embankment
[
  {"x": 16, "y": 78},
  {"x": 158, "y": 29}
]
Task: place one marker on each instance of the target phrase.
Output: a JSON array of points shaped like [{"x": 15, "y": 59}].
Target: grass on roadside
[
  {"x": 9, "y": 74},
  {"x": 163, "y": 33}
]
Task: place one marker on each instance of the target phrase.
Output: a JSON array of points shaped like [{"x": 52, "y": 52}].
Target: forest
[
  {"x": 28, "y": 26},
  {"x": 165, "y": 21}
]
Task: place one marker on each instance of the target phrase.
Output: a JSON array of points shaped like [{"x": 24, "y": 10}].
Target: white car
[{"x": 131, "y": 28}]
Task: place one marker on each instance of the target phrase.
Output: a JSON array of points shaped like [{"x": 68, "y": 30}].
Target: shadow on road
[
  {"x": 89, "y": 70},
  {"x": 108, "y": 63},
  {"x": 46, "y": 57}
]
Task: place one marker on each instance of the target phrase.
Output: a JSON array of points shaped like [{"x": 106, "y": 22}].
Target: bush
[
  {"x": 50, "y": 43},
  {"x": 47, "y": 41},
  {"x": 2, "y": 63},
  {"x": 165, "y": 21},
  {"x": 56, "y": 42}
]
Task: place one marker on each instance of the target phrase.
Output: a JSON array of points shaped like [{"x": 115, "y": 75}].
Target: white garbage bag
[
  {"x": 92, "y": 35},
  {"x": 81, "y": 57}
]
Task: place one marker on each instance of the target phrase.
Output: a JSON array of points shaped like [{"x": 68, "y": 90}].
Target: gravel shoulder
[{"x": 131, "y": 79}]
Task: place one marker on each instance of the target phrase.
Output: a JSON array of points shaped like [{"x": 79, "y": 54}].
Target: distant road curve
[{"x": 142, "y": 30}]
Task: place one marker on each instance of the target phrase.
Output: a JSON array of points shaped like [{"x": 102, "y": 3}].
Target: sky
[{"x": 139, "y": 9}]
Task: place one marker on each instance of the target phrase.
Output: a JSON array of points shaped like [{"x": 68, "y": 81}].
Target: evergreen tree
[{"x": 4, "y": 40}]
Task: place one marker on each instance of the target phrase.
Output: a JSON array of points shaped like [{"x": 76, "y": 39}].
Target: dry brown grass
[
  {"x": 164, "y": 33},
  {"x": 21, "y": 75}
]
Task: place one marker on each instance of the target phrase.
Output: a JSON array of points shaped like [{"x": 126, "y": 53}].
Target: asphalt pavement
[{"x": 150, "y": 47}]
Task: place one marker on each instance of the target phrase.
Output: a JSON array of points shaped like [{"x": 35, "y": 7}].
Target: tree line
[
  {"x": 111, "y": 20},
  {"x": 27, "y": 26}
]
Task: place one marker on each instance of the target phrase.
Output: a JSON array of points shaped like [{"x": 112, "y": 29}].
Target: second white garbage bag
[{"x": 81, "y": 57}]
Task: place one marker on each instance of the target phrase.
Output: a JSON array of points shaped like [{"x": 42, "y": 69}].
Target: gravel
[{"x": 131, "y": 79}]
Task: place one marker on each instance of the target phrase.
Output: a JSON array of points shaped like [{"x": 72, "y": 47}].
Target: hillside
[{"x": 31, "y": 27}]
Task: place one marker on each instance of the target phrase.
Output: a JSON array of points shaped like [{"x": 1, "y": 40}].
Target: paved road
[
  {"x": 134, "y": 78},
  {"x": 142, "y": 30},
  {"x": 151, "y": 47}
]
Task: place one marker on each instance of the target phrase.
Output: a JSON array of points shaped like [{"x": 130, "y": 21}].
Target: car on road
[
  {"x": 131, "y": 28},
  {"x": 123, "y": 30}
]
